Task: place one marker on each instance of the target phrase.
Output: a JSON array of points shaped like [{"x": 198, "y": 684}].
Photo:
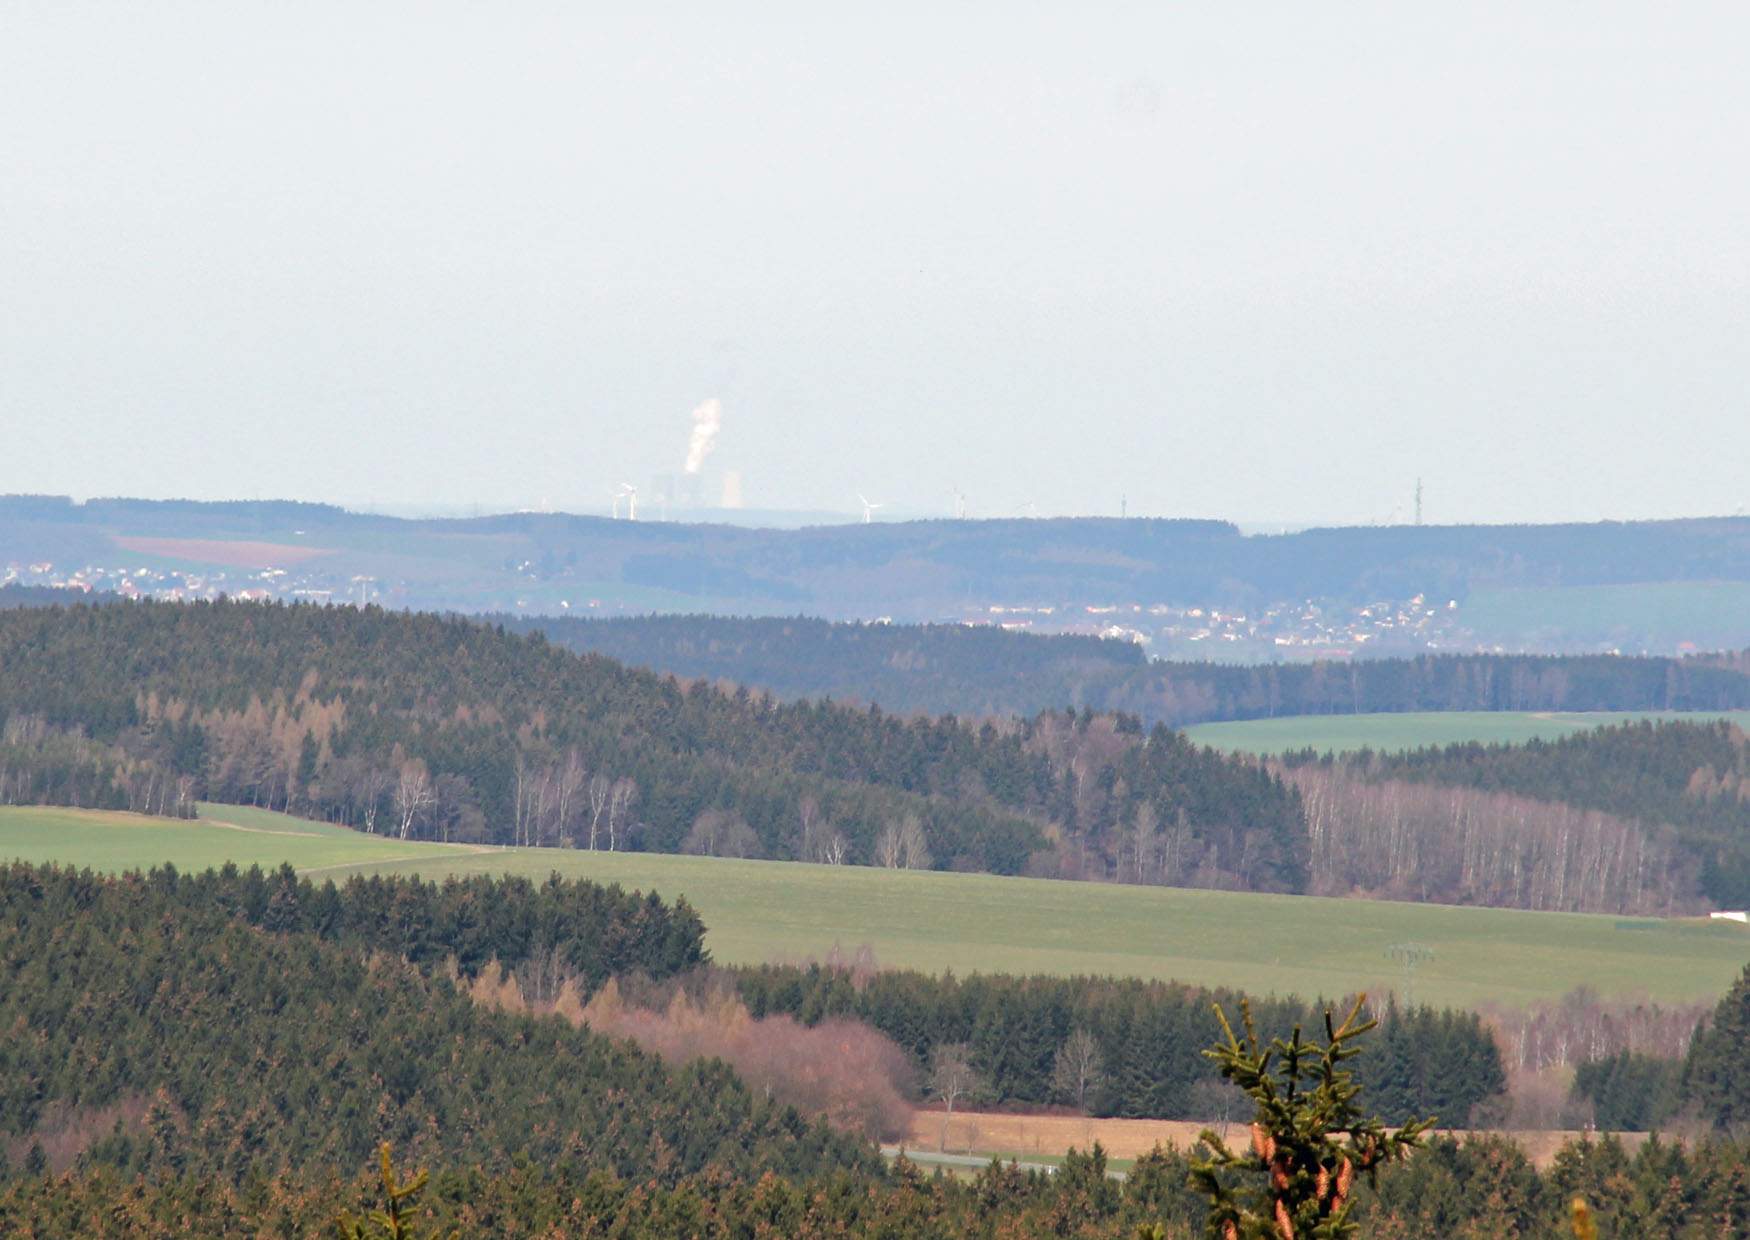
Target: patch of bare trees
[
  {"x": 817, "y": 839},
  {"x": 841, "y": 1070},
  {"x": 1153, "y": 848},
  {"x": 41, "y": 764},
  {"x": 1581, "y": 1026},
  {"x": 720, "y": 833},
  {"x": 1415, "y": 841},
  {"x": 901, "y": 844},
  {"x": 549, "y": 799}
]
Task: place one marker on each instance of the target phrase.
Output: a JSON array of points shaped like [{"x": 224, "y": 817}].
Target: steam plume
[{"x": 707, "y": 421}]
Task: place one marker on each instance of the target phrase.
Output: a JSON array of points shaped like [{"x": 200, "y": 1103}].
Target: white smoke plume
[{"x": 707, "y": 421}]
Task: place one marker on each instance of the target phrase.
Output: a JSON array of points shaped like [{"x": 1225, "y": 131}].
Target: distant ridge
[{"x": 534, "y": 563}]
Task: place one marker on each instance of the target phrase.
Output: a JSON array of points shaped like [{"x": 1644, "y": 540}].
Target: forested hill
[
  {"x": 1689, "y": 782},
  {"x": 142, "y": 1014},
  {"x": 914, "y": 570},
  {"x": 434, "y": 727},
  {"x": 931, "y": 669},
  {"x": 936, "y": 669}
]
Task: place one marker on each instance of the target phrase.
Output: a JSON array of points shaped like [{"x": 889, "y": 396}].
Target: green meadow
[
  {"x": 1412, "y": 730},
  {"x": 764, "y": 910}
]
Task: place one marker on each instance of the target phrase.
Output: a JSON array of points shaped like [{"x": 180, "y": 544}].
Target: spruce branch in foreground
[
  {"x": 1309, "y": 1137},
  {"x": 389, "y": 1223}
]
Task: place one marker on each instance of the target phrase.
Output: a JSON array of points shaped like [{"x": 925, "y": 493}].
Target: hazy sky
[{"x": 1260, "y": 261}]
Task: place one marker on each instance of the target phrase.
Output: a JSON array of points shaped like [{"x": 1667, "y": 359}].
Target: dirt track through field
[
  {"x": 472, "y": 849},
  {"x": 237, "y": 826},
  {"x": 992, "y": 1132}
]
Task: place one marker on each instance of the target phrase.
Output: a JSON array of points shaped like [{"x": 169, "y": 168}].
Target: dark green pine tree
[
  {"x": 1310, "y": 1138},
  {"x": 281, "y": 916},
  {"x": 1732, "y": 1216},
  {"x": 1716, "y": 1074},
  {"x": 392, "y": 1221},
  {"x": 309, "y": 755}
]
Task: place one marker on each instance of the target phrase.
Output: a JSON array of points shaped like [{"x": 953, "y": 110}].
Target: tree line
[
  {"x": 1478, "y": 1187},
  {"x": 585, "y": 930},
  {"x": 1394, "y": 839},
  {"x": 1116, "y": 1046},
  {"x": 184, "y": 1048},
  {"x": 980, "y": 671},
  {"x": 1683, "y": 789},
  {"x": 152, "y": 1032},
  {"x": 45, "y": 765},
  {"x": 427, "y": 727},
  {"x": 1641, "y": 1068},
  {"x": 987, "y": 670}
]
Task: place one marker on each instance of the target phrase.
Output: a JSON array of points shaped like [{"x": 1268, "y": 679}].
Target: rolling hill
[
  {"x": 764, "y": 911},
  {"x": 920, "y": 570}
]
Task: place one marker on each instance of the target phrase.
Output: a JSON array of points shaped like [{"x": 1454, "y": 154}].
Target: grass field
[
  {"x": 1343, "y": 733},
  {"x": 114, "y": 841},
  {"x": 758, "y": 911}
]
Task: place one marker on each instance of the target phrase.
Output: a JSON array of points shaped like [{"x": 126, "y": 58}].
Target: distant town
[{"x": 1277, "y": 631}]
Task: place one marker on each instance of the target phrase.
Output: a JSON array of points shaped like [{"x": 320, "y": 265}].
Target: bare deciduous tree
[
  {"x": 543, "y": 975},
  {"x": 831, "y": 847},
  {"x": 914, "y": 852},
  {"x": 1468, "y": 846},
  {"x": 719, "y": 833},
  {"x": 600, "y": 792},
  {"x": 372, "y": 783},
  {"x": 1145, "y": 828},
  {"x": 413, "y": 794},
  {"x": 570, "y": 783},
  {"x": 887, "y": 846},
  {"x": 901, "y": 845},
  {"x": 620, "y": 799},
  {"x": 1077, "y": 1069},
  {"x": 808, "y": 816},
  {"x": 952, "y": 1079}
]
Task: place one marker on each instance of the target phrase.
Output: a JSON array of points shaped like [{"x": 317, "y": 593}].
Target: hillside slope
[
  {"x": 942, "y": 668},
  {"x": 761, "y": 911},
  {"x": 918, "y": 570},
  {"x": 420, "y": 726}
]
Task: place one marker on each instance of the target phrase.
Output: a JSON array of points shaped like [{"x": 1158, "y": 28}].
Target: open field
[
  {"x": 105, "y": 840},
  {"x": 1411, "y": 730},
  {"x": 760, "y": 910},
  {"x": 1046, "y": 1138},
  {"x": 230, "y": 553}
]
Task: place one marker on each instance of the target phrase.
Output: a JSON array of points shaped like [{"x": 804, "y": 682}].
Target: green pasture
[
  {"x": 761, "y": 911},
  {"x": 112, "y": 841},
  {"x": 1412, "y": 730}
]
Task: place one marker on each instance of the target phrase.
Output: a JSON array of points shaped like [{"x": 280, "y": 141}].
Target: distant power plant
[
  {"x": 685, "y": 491},
  {"x": 669, "y": 496}
]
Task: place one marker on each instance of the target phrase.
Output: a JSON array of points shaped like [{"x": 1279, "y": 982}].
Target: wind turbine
[
  {"x": 959, "y": 504},
  {"x": 631, "y": 494},
  {"x": 868, "y": 508}
]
